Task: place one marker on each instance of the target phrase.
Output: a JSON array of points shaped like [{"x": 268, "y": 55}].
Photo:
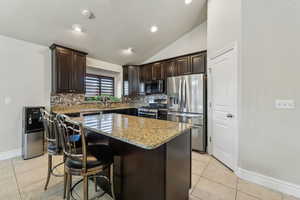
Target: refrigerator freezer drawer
[
  {"x": 33, "y": 145},
  {"x": 198, "y": 139}
]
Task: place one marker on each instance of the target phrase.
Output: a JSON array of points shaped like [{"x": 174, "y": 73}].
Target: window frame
[{"x": 99, "y": 79}]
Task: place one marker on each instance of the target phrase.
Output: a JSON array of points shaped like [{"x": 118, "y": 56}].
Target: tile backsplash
[
  {"x": 69, "y": 99},
  {"x": 147, "y": 99}
]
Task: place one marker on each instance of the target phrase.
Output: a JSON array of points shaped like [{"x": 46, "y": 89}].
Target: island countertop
[
  {"x": 145, "y": 133},
  {"x": 86, "y": 108}
]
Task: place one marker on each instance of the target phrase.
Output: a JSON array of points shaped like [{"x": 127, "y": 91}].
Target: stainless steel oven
[{"x": 148, "y": 112}]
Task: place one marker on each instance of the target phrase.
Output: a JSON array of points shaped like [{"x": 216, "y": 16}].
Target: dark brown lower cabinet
[{"x": 160, "y": 174}]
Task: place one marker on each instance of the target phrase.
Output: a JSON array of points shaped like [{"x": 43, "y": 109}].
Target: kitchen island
[{"x": 152, "y": 157}]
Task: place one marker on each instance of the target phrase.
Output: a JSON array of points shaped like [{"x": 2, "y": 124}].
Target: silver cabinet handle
[{"x": 229, "y": 116}]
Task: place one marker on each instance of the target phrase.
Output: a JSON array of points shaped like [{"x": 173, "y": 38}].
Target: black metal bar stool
[
  {"x": 84, "y": 160},
  {"x": 53, "y": 145}
]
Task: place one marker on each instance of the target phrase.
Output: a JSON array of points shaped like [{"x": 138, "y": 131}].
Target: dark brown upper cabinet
[
  {"x": 148, "y": 73},
  {"x": 198, "y": 63},
  {"x": 142, "y": 73},
  {"x": 157, "y": 71},
  {"x": 68, "y": 70},
  {"x": 79, "y": 71},
  {"x": 131, "y": 81},
  {"x": 170, "y": 68},
  {"x": 183, "y": 66}
]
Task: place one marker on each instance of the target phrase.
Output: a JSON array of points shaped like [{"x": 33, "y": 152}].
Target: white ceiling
[{"x": 119, "y": 24}]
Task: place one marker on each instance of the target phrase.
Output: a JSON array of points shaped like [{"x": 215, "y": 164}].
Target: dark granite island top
[
  {"x": 152, "y": 158},
  {"x": 145, "y": 133}
]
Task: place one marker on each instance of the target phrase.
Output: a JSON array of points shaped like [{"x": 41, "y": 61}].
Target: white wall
[
  {"x": 267, "y": 33},
  {"x": 191, "y": 42},
  {"x": 107, "y": 69},
  {"x": 270, "y": 138},
  {"x": 223, "y": 24},
  {"x": 24, "y": 81}
]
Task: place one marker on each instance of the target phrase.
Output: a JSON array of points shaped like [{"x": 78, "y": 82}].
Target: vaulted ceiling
[{"x": 118, "y": 24}]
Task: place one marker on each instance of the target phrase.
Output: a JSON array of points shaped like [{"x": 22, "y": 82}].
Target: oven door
[{"x": 147, "y": 114}]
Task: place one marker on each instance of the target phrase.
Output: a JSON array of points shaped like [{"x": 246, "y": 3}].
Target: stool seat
[
  {"x": 97, "y": 155},
  {"x": 53, "y": 149}
]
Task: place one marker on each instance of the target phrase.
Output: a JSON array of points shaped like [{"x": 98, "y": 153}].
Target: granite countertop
[
  {"x": 86, "y": 108},
  {"x": 142, "y": 132}
]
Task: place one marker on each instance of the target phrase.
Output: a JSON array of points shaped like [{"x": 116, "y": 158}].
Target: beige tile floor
[{"x": 24, "y": 180}]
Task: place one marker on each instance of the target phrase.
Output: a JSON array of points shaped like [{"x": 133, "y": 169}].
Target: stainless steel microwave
[{"x": 154, "y": 87}]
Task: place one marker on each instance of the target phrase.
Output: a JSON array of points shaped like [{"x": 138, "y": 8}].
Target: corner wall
[
  {"x": 24, "y": 81},
  {"x": 270, "y": 138},
  {"x": 267, "y": 33}
]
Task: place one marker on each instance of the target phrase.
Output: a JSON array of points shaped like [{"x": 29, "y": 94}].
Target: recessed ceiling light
[
  {"x": 154, "y": 29},
  {"x": 128, "y": 51},
  {"x": 188, "y": 2},
  {"x": 87, "y": 14},
  {"x": 77, "y": 28}
]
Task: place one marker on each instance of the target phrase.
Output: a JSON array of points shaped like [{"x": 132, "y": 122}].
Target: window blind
[
  {"x": 107, "y": 86},
  {"x": 98, "y": 85}
]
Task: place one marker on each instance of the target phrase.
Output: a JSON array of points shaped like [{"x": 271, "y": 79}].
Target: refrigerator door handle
[
  {"x": 184, "y": 94},
  {"x": 179, "y": 94},
  {"x": 185, "y": 90}
]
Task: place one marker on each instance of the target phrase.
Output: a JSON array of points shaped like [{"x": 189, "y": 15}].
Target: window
[{"x": 98, "y": 85}]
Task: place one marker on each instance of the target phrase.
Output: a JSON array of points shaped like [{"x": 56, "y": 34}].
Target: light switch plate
[{"x": 285, "y": 104}]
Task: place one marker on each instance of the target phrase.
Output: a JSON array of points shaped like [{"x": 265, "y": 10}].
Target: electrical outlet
[{"x": 285, "y": 104}]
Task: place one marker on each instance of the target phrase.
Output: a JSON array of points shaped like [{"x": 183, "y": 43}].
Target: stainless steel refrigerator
[{"x": 187, "y": 103}]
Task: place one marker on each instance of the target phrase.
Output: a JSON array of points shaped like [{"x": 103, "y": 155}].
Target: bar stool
[
  {"x": 87, "y": 160},
  {"x": 53, "y": 146}
]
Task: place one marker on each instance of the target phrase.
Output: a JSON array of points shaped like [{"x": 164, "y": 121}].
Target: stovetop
[{"x": 155, "y": 106}]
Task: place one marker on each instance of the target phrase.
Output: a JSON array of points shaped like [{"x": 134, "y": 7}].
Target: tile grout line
[
  {"x": 214, "y": 180},
  {"x": 200, "y": 174},
  {"x": 16, "y": 179},
  {"x": 236, "y": 188}
]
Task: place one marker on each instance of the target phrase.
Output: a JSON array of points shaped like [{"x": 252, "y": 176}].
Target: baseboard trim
[
  {"x": 269, "y": 182},
  {"x": 10, "y": 154}
]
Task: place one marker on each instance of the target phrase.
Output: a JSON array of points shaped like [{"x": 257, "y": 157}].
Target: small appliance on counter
[{"x": 33, "y": 133}]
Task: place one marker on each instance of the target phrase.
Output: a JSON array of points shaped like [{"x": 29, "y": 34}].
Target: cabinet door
[
  {"x": 78, "y": 73},
  {"x": 198, "y": 63},
  {"x": 125, "y": 81},
  {"x": 148, "y": 73},
  {"x": 143, "y": 72},
  {"x": 157, "y": 71},
  {"x": 64, "y": 62},
  {"x": 184, "y": 66},
  {"x": 133, "y": 80},
  {"x": 170, "y": 68}
]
